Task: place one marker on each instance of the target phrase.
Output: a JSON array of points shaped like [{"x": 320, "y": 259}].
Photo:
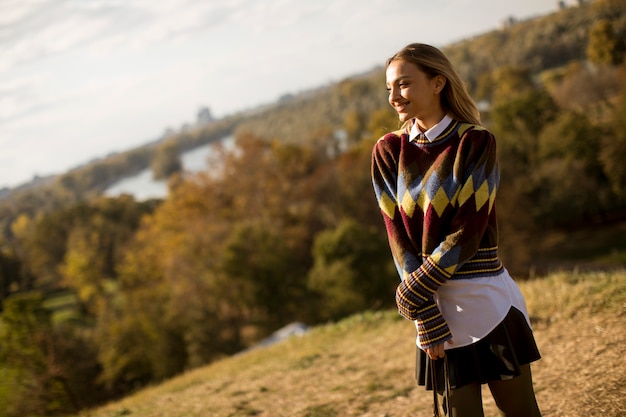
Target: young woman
[{"x": 435, "y": 181}]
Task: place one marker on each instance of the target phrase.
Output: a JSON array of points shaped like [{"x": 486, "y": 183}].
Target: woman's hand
[{"x": 436, "y": 352}]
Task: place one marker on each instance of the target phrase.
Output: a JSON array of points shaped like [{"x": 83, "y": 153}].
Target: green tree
[
  {"x": 613, "y": 150},
  {"x": 517, "y": 124},
  {"x": 352, "y": 270},
  {"x": 140, "y": 342},
  {"x": 260, "y": 265},
  {"x": 572, "y": 136},
  {"x": 28, "y": 354},
  {"x": 568, "y": 182}
]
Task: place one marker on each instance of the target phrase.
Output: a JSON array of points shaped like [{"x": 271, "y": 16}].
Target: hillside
[{"x": 362, "y": 366}]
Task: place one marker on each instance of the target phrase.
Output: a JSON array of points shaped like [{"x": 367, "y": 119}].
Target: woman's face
[{"x": 413, "y": 95}]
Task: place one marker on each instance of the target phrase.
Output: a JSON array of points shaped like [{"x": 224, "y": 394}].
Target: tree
[
  {"x": 568, "y": 185},
  {"x": 614, "y": 149},
  {"x": 173, "y": 309},
  {"x": 381, "y": 122},
  {"x": 10, "y": 272},
  {"x": 504, "y": 83},
  {"x": 27, "y": 349},
  {"x": 517, "y": 124},
  {"x": 352, "y": 270},
  {"x": 40, "y": 244},
  {"x": 572, "y": 136},
  {"x": 83, "y": 268},
  {"x": 354, "y": 126},
  {"x": 260, "y": 266},
  {"x": 605, "y": 46},
  {"x": 140, "y": 342},
  {"x": 166, "y": 160},
  {"x": 588, "y": 91}
]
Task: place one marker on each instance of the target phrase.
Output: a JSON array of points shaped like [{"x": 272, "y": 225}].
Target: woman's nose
[{"x": 393, "y": 94}]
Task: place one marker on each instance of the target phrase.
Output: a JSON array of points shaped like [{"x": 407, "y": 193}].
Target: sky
[{"x": 80, "y": 79}]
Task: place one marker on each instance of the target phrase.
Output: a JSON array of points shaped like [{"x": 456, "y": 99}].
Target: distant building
[
  {"x": 508, "y": 22},
  {"x": 204, "y": 116}
]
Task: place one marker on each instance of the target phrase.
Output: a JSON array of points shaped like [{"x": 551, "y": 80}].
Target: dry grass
[{"x": 363, "y": 366}]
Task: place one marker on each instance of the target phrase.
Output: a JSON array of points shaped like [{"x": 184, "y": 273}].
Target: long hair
[{"x": 455, "y": 99}]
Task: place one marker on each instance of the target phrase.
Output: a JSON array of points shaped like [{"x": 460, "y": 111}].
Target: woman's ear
[{"x": 440, "y": 82}]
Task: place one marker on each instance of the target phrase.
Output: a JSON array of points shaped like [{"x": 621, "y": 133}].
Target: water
[{"x": 143, "y": 187}]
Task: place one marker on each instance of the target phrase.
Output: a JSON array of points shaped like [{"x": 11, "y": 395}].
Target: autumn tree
[
  {"x": 605, "y": 46},
  {"x": 179, "y": 305},
  {"x": 40, "y": 243},
  {"x": 354, "y": 126},
  {"x": 585, "y": 90},
  {"x": 166, "y": 300},
  {"x": 504, "y": 83},
  {"x": 95, "y": 245}
]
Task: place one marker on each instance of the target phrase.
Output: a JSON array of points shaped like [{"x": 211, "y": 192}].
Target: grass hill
[{"x": 363, "y": 365}]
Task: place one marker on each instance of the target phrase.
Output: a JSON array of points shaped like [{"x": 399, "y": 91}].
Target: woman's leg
[
  {"x": 465, "y": 401},
  {"x": 516, "y": 397}
]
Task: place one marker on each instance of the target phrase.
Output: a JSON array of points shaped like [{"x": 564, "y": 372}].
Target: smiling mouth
[{"x": 400, "y": 108}]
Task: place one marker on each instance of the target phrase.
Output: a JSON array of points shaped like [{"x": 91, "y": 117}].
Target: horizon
[{"x": 81, "y": 79}]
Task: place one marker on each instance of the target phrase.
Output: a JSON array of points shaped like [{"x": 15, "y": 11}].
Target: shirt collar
[{"x": 432, "y": 133}]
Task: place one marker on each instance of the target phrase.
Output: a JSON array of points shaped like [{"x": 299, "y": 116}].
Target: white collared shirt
[{"x": 432, "y": 133}]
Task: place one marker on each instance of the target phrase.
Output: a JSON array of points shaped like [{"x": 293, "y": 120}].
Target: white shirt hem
[{"x": 473, "y": 307}]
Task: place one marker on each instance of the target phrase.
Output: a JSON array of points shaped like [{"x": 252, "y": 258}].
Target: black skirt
[{"x": 497, "y": 356}]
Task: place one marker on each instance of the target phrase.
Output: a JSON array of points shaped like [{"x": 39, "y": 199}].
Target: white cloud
[{"x": 37, "y": 30}]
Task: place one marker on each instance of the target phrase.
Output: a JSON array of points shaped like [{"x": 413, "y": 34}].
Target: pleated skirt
[{"x": 497, "y": 356}]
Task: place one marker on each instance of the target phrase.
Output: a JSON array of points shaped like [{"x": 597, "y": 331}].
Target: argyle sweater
[{"x": 438, "y": 204}]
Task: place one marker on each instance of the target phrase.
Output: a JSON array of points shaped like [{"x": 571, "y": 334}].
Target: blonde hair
[{"x": 455, "y": 99}]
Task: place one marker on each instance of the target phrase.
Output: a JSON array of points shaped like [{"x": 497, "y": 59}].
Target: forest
[{"x": 101, "y": 296}]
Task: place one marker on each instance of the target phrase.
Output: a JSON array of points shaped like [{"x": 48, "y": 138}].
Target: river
[{"x": 143, "y": 187}]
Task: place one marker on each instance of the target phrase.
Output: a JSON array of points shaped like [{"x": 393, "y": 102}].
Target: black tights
[{"x": 514, "y": 397}]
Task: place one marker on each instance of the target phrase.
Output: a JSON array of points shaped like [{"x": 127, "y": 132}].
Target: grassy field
[{"x": 363, "y": 366}]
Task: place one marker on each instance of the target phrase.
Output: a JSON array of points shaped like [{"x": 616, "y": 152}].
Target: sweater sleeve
[
  {"x": 476, "y": 166},
  {"x": 432, "y": 328}
]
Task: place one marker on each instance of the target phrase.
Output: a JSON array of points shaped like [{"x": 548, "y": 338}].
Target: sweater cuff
[
  {"x": 419, "y": 287},
  {"x": 432, "y": 328}
]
